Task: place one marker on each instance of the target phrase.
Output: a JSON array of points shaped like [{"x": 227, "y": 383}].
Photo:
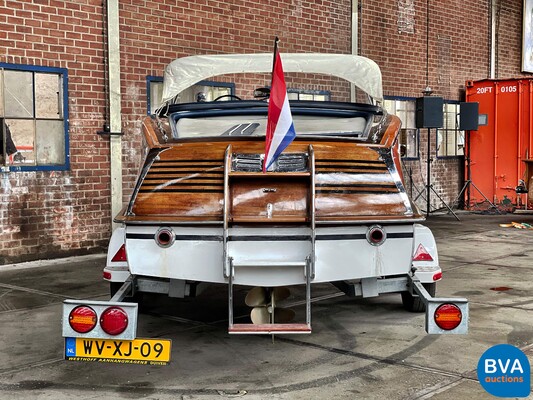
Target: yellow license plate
[{"x": 138, "y": 351}]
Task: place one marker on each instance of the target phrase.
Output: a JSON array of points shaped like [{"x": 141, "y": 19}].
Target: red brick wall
[
  {"x": 459, "y": 34},
  {"x": 48, "y": 214},
  {"x": 509, "y": 36}
]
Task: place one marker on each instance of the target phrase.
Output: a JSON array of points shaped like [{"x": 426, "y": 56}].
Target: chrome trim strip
[
  {"x": 330, "y": 222},
  {"x": 386, "y": 156}
]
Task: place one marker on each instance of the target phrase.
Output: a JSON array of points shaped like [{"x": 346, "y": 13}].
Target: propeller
[
  {"x": 257, "y": 296},
  {"x": 264, "y": 302}
]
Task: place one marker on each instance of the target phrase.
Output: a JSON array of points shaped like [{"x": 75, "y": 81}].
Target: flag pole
[{"x": 276, "y": 40}]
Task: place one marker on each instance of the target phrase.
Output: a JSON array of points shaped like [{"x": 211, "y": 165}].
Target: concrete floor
[{"x": 359, "y": 348}]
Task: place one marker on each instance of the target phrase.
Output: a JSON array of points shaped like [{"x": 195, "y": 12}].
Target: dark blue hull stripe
[{"x": 257, "y": 238}]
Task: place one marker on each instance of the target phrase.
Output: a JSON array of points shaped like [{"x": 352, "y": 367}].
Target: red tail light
[
  {"x": 421, "y": 254},
  {"x": 437, "y": 276},
  {"x": 120, "y": 255},
  {"x": 114, "y": 321},
  {"x": 82, "y": 319},
  {"x": 448, "y": 316}
]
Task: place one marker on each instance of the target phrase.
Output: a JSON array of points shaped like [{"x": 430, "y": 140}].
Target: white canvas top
[{"x": 187, "y": 71}]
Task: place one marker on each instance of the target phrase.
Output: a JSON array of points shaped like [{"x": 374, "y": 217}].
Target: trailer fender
[{"x": 425, "y": 262}]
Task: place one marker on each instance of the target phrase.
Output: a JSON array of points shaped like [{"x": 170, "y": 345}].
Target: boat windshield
[{"x": 255, "y": 125}]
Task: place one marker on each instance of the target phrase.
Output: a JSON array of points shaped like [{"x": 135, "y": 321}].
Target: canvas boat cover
[{"x": 184, "y": 72}]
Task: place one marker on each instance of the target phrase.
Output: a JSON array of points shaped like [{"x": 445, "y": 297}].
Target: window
[
  {"x": 315, "y": 95},
  {"x": 154, "y": 89},
  {"x": 408, "y": 137},
  {"x": 33, "y": 105},
  {"x": 450, "y": 140},
  {"x": 202, "y": 91}
]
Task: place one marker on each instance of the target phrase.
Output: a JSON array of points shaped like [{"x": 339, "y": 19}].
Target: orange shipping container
[{"x": 501, "y": 151}]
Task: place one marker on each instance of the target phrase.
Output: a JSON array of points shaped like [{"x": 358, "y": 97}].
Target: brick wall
[
  {"x": 48, "y": 214},
  {"x": 458, "y": 50},
  {"x": 509, "y": 36}
]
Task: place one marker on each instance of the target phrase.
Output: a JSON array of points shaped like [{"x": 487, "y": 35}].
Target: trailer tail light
[
  {"x": 421, "y": 254},
  {"x": 165, "y": 237},
  {"x": 376, "y": 235},
  {"x": 82, "y": 319},
  {"x": 448, "y": 316},
  {"x": 114, "y": 321},
  {"x": 120, "y": 255},
  {"x": 100, "y": 319}
]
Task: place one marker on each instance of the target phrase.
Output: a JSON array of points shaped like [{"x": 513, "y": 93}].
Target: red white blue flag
[{"x": 280, "y": 128}]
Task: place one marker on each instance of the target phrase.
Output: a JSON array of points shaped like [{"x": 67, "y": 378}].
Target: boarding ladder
[{"x": 234, "y": 177}]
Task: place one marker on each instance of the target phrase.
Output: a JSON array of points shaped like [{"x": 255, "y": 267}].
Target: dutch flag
[{"x": 280, "y": 128}]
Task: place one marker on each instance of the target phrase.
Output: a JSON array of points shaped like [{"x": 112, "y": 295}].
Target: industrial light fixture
[{"x": 427, "y": 91}]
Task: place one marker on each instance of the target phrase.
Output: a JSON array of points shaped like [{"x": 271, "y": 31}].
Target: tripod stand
[
  {"x": 429, "y": 186},
  {"x": 469, "y": 182}
]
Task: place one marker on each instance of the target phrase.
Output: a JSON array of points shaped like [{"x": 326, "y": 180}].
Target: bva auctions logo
[{"x": 504, "y": 371}]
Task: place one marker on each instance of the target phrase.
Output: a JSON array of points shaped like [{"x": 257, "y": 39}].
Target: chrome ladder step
[
  {"x": 308, "y": 264},
  {"x": 273, "y": 328},
  {"x": 268, "y": 329}
]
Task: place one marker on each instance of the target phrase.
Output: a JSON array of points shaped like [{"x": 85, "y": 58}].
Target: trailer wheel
[{"x": 415, "y": 304}]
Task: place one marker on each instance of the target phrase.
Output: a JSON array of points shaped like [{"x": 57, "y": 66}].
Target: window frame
[
  {"x": 417, "y": 130},
  {"x": 149, "y": 80},
  {"x": 158, "y": 79},
  {"x": 446, "y": 130},
  {"x": 325, "y": 93},
  {"x": 63, "y": 75}
]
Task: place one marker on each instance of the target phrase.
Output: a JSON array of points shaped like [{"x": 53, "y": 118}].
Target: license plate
[{"x": 138, "y": 351}]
